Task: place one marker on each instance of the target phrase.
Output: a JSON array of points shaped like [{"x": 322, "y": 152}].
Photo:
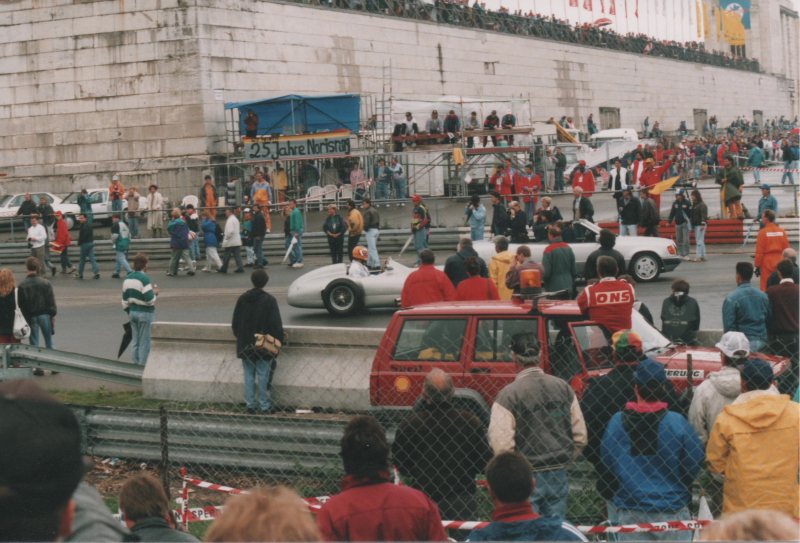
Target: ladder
[{"x": 383, "y": 109}]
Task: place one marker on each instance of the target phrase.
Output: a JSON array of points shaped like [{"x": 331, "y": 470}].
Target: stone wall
[{"x": 90, "y": 88}]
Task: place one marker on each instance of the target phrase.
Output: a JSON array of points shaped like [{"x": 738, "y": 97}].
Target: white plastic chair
[
  {"x": 314, "y": 194},
  {"x": 346, "y": 193},
  {"x": 191, "y": 199},
  {"x": 329, "y": 193}
]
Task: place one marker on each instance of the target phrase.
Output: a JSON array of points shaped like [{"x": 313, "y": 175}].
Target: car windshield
[
  {"x": 652, "y": 340},
  {"x": 72, "y": 198},
  {"x": 4, "y": 201}
]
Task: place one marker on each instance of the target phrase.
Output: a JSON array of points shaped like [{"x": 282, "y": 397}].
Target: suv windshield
[{"x": 651, "y": 338}]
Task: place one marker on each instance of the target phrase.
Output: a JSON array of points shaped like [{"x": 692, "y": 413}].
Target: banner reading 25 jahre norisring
[{"x": 327, "y": 144}]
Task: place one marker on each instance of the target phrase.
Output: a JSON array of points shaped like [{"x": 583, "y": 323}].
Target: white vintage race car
[{"x": 331, "y": 287}]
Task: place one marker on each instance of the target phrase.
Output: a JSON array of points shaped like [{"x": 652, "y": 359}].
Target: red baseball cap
[{"x": 416, "y": 198}]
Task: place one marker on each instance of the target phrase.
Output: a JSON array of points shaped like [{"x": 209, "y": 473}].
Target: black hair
[
  {"x": 427, "y": 257},
  {"x": 365, "y": 451},
  {"x": 744, "y": 270},
  {"x": 510, "y": 477},
  {"x": 259, "y": 278},
  {"x": 607, "y": 239},
  {"x": 607, "y": 267},
  {"x": 785, "y": 268}
]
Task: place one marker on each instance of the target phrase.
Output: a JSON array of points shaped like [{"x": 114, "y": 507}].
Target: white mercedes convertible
[{"x": 331, "y": 287}]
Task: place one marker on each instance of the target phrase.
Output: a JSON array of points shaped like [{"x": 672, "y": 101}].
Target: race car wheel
[
  {"x": 343, "y": 298},
  {"x": 646, "y": 267}
]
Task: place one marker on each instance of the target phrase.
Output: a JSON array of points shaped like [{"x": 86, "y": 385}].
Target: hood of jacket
[
  {"x": 762, "y": 411},
  {"x": 727, "y": 381},
  {"x": 505, "y": 257},
  {"x": 678, "y": 298},
  {"x": 253, "y": 295}
]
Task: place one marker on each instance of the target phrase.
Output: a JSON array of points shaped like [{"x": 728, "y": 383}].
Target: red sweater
[
  {"x": 609, "y": 302},
  {"x": 378, "y": 510},
  {"x": 427, "y": 285},
  {"x": 477, "y": 288},
  {"x": 785, "y": 301}
]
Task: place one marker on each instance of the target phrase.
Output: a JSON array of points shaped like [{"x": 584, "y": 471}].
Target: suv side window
[
  {"x": 564, "y": 361},
  {"x": 493, "y": 338},
  {"x": 595, "y": 343},
  {"x": 437, "y": 339}
]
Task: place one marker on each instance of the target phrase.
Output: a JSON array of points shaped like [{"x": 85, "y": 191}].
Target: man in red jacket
[
  {"x": 62, "y": 243},
  {"x": 371, "y": 507},
  {"x": 652, "y": 175},
  {"x": 505, "y": 181},
  {"x": 609, "y": 302},
  {"x": 427, "y": 284}
]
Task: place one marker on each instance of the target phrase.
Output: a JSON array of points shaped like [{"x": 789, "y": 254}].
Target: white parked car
[
  {"x": 101, "y": 206},
  {"x": 9, "y": 204},
  {"x": 331, "y": 287}
]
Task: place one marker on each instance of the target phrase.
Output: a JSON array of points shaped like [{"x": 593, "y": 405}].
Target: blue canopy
[{"x": 296, "y": 114}]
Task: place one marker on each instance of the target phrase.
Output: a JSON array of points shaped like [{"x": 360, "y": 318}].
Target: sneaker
[
  {"x": 53, "y": 271},
  {"x": 96, "y": 276},
  {"x": 71, "y": 270},
  {"x": 686, "y": 258},
  {"x": 77, "y": 276},
  {"x": 190, "y": 273},
  {"x": 298, "y": 265},
  {"x": 240, "y": 270},
  {"x": 114, "y": 276},
  {"x": 38, "y": 372}
]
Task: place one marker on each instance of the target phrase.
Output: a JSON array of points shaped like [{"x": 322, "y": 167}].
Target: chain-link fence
[{"x": 593, "y": 466}]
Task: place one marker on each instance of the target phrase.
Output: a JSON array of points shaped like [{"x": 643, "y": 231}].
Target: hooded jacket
[
  {"x": 180, "y": 234},
  {"x": 477, "y": 217},
  {"x": 518, "y": 522},
  {"x": 680, "y": 318},
  {"x": 454, "y": 266},
  {"x": 256, "y": 312},
  {"x": 754, "y": 444},
  {"x": 719, "y": 389},
  {"x": 210, "y": 233},
  {"x": 498, "y": 269}
]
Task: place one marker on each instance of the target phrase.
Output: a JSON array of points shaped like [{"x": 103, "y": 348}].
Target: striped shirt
[{"x": 137, "y": 293}]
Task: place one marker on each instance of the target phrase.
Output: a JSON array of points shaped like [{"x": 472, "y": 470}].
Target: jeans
[
  {"x": 260, "y": 367},
  {"x": 633, "y": 516},
  {"x": 212, "y": 256},
  {"x": 700, "y": 240},
  {"x": 420, "y": 241},
  {"x": 116, "y": 205},
  {"x": 787, "y": 175},
  {"x": 400, "y": 189},
  {"x": 122, "y": 263},
  {"x": 550, "y": 495},
  {"x": 296, "y": 257},
  {"x": 87, "y": 252},
  {"x": 41, "y": 322},
  {"x": 682, "y": 235},
  {"x": 65, "y": 262},
  {"x": 177, "y": 254},
  {"x": 530, "y": 209},
  {"x": 194, "y": 248},
  {"x": 383, "y": 190},
  {"x": 476, "y": 234},
  {"x": 756, "y": 176},
  {"x": 234, "y": 252},
  {"x": 258, "y": 252},
  {"x": 352, "y": 243},
  {"x": 559, "y": 180},
  {"x": 26, "y": 222},
  {"x": 133, "y": 225},
  {"x": 373, "y": 260},
  {"x": 140, "y": 345},
  {"x": 38, "y": 254},
  {"x": 629, "y": 230}
]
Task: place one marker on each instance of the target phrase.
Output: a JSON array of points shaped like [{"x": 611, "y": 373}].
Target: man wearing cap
[
  {"x": 754, "y": 445},
  {"x": 538, "y": 415},
  {"x": 207, "y": 196},
  {"x": 583, "y": 178},
  {"x": 747, "y": 309},
  {"x": 630, "y": 212},
  {"x": 40, "y": 443},
  {"x": 649, "y": 458},
  {"x": 679, "y": 214},
  {"x": 772, "y": 241},
  {"x": 652, "y": 175},
  {"x": 610, "y": 301},
  {"x": 420, "y": 225},
  {"x": 434, "y": 124},
  {"x": 410, "y": 128},
  {"x": 766, "y": 202},
  {"x": 491, "y": 123},
  {"x": 116, "y": 193}
]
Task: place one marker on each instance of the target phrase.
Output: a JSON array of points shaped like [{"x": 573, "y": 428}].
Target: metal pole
[
  {"x": 13, "y": 237},
  {"x": 164, "y": 467}
]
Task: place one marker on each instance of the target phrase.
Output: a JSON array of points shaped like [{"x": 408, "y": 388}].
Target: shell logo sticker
[{"x": 402, "y": 384}]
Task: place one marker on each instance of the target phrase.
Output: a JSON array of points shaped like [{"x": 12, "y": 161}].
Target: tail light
[{"x": 672, "y": 249}]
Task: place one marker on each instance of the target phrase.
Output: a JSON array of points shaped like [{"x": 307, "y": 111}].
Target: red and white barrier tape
[
  {"x": 210, "y": 513},
  {"x": 769, "y": 169}
]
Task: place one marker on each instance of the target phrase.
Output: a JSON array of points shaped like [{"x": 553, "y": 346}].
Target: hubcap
[
  {"x": 646, "y": 267},
  {"x": 342, "y": 298}
]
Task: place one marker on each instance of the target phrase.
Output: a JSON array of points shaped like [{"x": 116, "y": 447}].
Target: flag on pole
[
  {"x": 699, "y": 19},
  {"x": 587, "y": 4},
  {"x": 637, "y": 8},
  {"x": 612, "y": 7},
  {"x": 661, "y": 186},
  {"x": 602, "y": 6},
  {"x": 573, "y": 3}
]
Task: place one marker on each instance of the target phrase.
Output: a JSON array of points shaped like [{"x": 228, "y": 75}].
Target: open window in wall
[
  {"x": 700, "y": 118},
  {"x": 758, "y": 117},
  {"x": 609, "y": 118}
]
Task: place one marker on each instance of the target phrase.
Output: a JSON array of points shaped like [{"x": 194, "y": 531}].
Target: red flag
[
  {"x": 587, "y": 4},
  {"x": 612, "y": 7},
  {"x": 637, "y": 8},
  {"x": 648, "y": 48},
  {"x": 573, "y": 3},
  {"x": 602, "y": 6}
]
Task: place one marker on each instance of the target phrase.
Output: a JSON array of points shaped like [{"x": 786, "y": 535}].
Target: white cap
[
  {"x": 115, "y": 178},
  {"x": 734, "y": 345}
]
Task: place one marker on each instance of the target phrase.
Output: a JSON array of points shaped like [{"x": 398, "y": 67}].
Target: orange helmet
[{"x": 360, "y": 253}]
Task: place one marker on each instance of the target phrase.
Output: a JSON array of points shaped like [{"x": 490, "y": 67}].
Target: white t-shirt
[{"x": 39, "y": 234}]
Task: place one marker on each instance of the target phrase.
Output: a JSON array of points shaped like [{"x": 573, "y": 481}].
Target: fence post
[
  {"x": 164, "y": 438},
  {"x": 13, "y": 237}
]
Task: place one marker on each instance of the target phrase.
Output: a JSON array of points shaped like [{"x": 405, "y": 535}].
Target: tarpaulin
[{"x": 296, "y": 114}]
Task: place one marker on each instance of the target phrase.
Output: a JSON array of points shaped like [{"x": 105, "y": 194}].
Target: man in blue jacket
[
  {"x": 754, "y": 160},
  {"x": 747, "y": 309},
  {"x": 650, "y": 456},
  {"x": 510, "y": 480},
  {"x": 766, "y": 202}
]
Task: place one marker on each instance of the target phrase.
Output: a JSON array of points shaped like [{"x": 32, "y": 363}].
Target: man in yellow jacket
[
  {"x": 754, "y": 444},
  {"x": 355, "y": 227},
  {"x": 499, "y": 266}
]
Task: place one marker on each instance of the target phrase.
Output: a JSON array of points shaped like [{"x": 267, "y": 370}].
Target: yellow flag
[
  {"x": 699, "y": 19},
  {"x": 661, "y": 186},
  {"x": 706, "y": 25},
  {"x": 734, "y": 29}
]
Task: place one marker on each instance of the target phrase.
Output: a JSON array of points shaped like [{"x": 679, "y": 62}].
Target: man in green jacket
[
  {"x": 121, "y": 238},
  {"x": 731, "y": 180},
  {"x": 560, "y": 269},
  {"x": 296, "y": 226}
]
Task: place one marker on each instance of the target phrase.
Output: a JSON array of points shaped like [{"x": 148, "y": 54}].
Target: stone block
[
  {"x": 160, "y": 99},
  {"x": 77, "y": 137},
  {"x": 138, "y": 117},
  {"x": 99, "y": 152},
  {"x": 139, "y": 149},
  {"x": 59, "y": 28},
  {"x": 113, "y": 103},
  {"x": 90, "y": 25},
  {"x": 186, "y": 146},
  {"x": 5, "y": 112},
  {"x": 73, "y": 106}
]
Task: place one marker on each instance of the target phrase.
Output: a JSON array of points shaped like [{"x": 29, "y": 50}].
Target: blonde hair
[
  {"x": 176, "y": 212},
  {"x": 265, "y": 514},
  {"x": 7, "y": 282},
  {"x": 332, "y": 206},
  {"x": 546, "y": 200},
  {"x": 753, "y": 526}
]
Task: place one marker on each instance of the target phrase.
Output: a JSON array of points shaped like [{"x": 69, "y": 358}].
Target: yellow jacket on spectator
[
  {"x": 498, "y": 269},
  {"x": 754, "y": 444},
  {"x": 355, "y": 222}
]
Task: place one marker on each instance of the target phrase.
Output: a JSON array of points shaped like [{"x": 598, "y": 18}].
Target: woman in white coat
[{"x": 155, "y": 221}]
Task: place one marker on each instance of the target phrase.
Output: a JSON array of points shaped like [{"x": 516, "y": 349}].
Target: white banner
[{"x": 297, "y": 147}]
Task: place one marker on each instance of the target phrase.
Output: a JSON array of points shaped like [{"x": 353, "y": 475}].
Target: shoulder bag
[
  {"x": 266, "y": 344},
  {"x": 21, "y": 328}
]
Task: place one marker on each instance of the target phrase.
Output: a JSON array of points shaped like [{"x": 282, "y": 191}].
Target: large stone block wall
[{"x": 90, "y": 88}]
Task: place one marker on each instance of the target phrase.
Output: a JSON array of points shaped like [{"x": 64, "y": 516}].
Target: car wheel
[
  {"x": 70, "y": 220},
  {"x": 343, "y": 298},
  {"x": 645, "y": 267}
]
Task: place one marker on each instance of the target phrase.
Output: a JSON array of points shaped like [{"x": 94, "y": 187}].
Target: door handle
[{"x": 481, "y": 370}]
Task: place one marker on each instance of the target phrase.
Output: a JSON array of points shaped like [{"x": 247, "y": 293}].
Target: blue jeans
[
  {"x": 140, "y": 345},
  {"x": 133, "y": 225},
  {"x": 420, "y": 241},
  {"x": 261, "y": 367},
  {"x": 87, "y": 252},
  {"x": 122, "y": 263},
  {"x": 700, "y": 240},
  {"x": 550, "y": 495},
  {"x": 65, "y": 263},
  {"x": 26, "y": 221},
  {"x": 296, "y": 255},
  {"x": 383, "y": 190},
  {"x": 787, "y": 175},
  {"x": 258, "y": 251},
  {"x": 41, "y": 322},
  {"x": 116, "y": 205},
  {"x": 400, "y": 189},
  {"x": 559, "y": 179},
  {"x": 476, "y": 234},
  {"x": 756, "y": 176},
  {"x": 628, "y": 229},
  {"x": 373, "y": 260},
  {"x": 194, "y": 249},
  {"x": 530, "y": 209},
  {"x": 633, "y": 516},
  {"x": 682, "y": 238}
]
